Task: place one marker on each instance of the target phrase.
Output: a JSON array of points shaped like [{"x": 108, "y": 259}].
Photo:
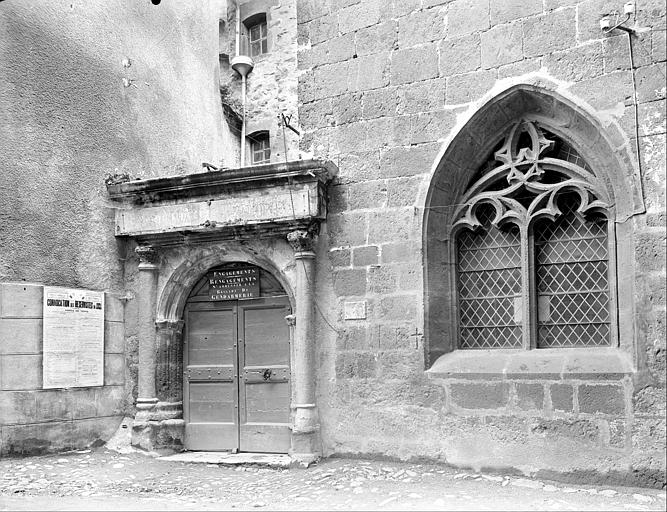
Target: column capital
[
  {"x": 302, "y": 240},
  {"x": 147, "y": 257},
  {"x": 169, "y": 325}
]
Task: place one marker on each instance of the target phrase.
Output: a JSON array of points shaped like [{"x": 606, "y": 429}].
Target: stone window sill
[{"x": 553, "y": 364}]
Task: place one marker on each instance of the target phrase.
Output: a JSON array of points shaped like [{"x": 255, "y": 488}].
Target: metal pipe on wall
[
  {"x": 238, "y": 28},
  {"x": 243, "y": 124},
  {"x": 243, "y": 65}
]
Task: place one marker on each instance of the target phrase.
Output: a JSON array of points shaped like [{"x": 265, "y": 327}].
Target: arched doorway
[{"x": 236, "y": 362}]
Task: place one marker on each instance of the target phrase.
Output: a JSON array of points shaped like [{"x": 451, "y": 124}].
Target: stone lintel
[{"x": 233, "y": 204}]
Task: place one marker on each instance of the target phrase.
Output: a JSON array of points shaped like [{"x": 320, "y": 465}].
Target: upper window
[
  {"x": 260, "y": 147},
  {"x": 532, "y": 249},
  {"x": 257, "y": 34}
]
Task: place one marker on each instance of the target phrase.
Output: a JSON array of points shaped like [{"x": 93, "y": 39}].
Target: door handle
[{"x": 266, "y": 374}]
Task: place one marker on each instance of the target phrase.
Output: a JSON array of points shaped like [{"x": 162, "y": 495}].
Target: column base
[
  {"x": 146, "y": 403},
  {"x": 160, "y": 428},
  {"x": 306, "y": 443},
  {"x": 306, "y": 447}
]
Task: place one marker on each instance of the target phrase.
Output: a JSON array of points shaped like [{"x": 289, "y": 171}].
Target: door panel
[
  {"x": 211, "y": 390},
  {"x": 265, "y": 437},
  {"x": 266, "y": 336},
  {"x": 264, "y": 393},
  {"x": 211, "y": 403},
  {"x": 210, "y": 337},
  {"x": 237, "y": 376},
  {"x": 265, "y": 402}
]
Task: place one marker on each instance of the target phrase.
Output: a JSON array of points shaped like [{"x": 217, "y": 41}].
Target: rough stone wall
[
  {"x": 272, "y": 84},
  {"x": 32, "y": 419},
  {"x": 90, "y": 89},
  {"x": 383, "y": 88}
]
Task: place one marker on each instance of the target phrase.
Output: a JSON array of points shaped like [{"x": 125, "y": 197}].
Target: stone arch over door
[
  {"x": 172, "y": 301},
  {"x": 603, "y": 147}
]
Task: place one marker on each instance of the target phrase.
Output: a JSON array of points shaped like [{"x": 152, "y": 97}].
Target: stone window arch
[
  {"x": 585, "y": 178},
  {"x": 532, "y": 242}
]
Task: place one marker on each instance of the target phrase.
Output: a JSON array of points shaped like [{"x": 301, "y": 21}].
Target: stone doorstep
[{"x": 273, "y": 460}]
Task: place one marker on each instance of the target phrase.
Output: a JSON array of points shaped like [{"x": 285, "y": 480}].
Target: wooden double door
[{"x": 236, "y": 392}]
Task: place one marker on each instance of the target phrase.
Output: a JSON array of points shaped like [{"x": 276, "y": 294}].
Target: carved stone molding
[
  {"x": 169, "y": 354},
  {"x": 231, "y": 204},
  {"x": 147, "y": 254},
  {"x": 526, "y": 195},
  {"x": 302, "y": 240},
  {"x": 169, "y": 325}
]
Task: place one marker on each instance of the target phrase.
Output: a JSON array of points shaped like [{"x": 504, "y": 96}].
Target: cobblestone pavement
[{"x": 102, "y": 479}]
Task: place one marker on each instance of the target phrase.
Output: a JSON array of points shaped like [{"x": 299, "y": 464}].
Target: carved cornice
[
  {"x": 232, "y": 204},
  {"x": 207, "y": 184}
]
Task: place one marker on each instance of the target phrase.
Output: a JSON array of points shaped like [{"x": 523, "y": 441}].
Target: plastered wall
[
  {"x": 73, "y": 112},
  {"x": 88, "y": 89}
]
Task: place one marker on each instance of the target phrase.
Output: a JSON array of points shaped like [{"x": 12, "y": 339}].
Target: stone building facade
[
  {"x": 453, "y": 213},
  {"x": 414, "y": 101}
]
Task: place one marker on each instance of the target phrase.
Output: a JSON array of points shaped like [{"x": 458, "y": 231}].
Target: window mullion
[{"x": 528, "y": 305}]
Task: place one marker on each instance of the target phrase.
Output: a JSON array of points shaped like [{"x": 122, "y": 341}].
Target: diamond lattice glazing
[
  {"x": 572, "y": 282},
  {"x": 567, "y": 258},
  {"x": 489, "y": 281}
]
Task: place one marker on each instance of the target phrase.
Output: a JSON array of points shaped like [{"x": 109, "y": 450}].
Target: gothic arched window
[{"x": 532, "y": 249}]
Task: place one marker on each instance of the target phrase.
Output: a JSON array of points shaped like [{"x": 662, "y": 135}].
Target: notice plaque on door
[{"x": 233, "y": 284}]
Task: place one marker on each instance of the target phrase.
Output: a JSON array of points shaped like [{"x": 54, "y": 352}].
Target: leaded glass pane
[
  {"x": 572, "y": 267},
  {"x": 568, "y": 256},
  {"x": 569, "y": 154},
  {"x": 489, "y": 284}
]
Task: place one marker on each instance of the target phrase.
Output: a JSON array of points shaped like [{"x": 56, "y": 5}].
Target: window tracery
[{"x": 532, "y": 248}]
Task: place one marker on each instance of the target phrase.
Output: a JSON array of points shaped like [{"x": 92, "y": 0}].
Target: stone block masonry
[
  {"x": 36, "y": 420},
  {"x": 432, "y": 66}
]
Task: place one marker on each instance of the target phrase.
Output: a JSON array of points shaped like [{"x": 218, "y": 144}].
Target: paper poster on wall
[{"x": 73, "y": 338}]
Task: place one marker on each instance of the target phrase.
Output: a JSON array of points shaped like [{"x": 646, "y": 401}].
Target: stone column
[
  {"x": 169, "y": 372},
  {"x": 306, "y": 443},
  {"x": 146, "y": 300}
]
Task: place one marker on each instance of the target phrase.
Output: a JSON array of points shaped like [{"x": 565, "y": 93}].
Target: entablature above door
[{"x": 249, "y": 202}]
